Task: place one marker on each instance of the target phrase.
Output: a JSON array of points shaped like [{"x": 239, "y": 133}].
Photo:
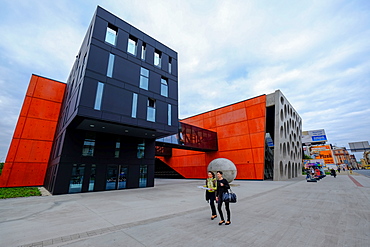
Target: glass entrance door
[{"x": 116, "y": 177}]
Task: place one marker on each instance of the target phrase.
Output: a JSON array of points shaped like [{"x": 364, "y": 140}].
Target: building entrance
[{"x": 116, "y": 177}]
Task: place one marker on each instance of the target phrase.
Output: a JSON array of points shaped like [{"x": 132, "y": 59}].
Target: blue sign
[{"x": 319, "y": 138}]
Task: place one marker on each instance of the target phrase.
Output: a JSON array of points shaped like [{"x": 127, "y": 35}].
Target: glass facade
[
  {"x": 89, "y": 145},
  {"x": 157, "y": 58},
  {"x": 118, "y": 147},
  {"x": 92, "y": 178},
  {"x": 111, "y": 34},
  {"x": 143, "y": 51},
  {"x": 169, "y": 115},
  {"x": 151, "y": 110},
  {"x": 116, "y": 177},
  {"x": 77, "y": 177},
  {"x": 134, "y": 105},
  {"x": 143, "y": 176},
  {"x": 99, "y": 96},
  {"x": 164, "y": 87},
  {"x": 110, "y": 65},
  {"x": 132, "y": 46},
  {"x": 144, "y": 78}
]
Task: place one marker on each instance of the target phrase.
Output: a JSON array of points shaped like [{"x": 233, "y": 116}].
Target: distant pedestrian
[
  {"x": 338, "y": 169},
  {"x": 308, "y": 174},
  {"x": 222, "y": 187},
  {"x": 211, "y": 184},
  {"x": 333, "y": 173}
]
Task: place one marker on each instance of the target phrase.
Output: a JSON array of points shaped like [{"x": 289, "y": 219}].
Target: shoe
[
  {"x": 228, "y": 223},
  {"x": 221, "y": 222},
  {"x": 213, "y": 217}
]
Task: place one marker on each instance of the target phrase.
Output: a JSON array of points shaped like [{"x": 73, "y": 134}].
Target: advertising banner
[{"x": 314, "y": 136}]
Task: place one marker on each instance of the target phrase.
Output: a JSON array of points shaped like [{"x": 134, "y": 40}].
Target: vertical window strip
[
  {"x": 170, "y": 65},
  {"x": 110, "y": 65},
  {"x": 99, "y": 96},
  {"x": 143, "y": 51},
  {"x": 169, "y": 115},
  {"x": 134, "y": 105}
]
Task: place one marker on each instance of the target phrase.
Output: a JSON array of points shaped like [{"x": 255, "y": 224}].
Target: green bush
[
  {"x": 19, "y": 192},
  {"x": 1, "y": 167}
]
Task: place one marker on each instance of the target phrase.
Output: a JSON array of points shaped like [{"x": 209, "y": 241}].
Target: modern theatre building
[{"x": 115, "y": 122}]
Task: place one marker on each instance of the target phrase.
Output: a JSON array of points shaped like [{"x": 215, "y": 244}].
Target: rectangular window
[
  {"x": 92, "y": 178},
  {"x": 110, "y": 65},
  {"x": 143, "y": 51},
  {"x": 111, "y": 34},
  {"x": 157, "y": 58},
  {"x": 118, "y": 146},
  {"x": 164, "y": 87},
  {"x": 89, "y": 145},
  {"x": 144, "y": 78},
  {"x": 170, "y": 65},
  {"x": 169, "y": 115},
  {"x": 134, "y": 105},
  {"x": 99, "y": 96},
  {"x": 77, "y": 177},
  {"x": 151, "y": 110},
  {"x": 132, "y": 45},
  {"x": 143, "y": 176}
]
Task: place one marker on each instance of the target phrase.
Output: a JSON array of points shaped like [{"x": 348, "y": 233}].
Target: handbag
[{"x": 229, "y": 196}]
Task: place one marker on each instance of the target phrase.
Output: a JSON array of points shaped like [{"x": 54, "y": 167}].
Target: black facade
[{"x": 122, "y": 94}]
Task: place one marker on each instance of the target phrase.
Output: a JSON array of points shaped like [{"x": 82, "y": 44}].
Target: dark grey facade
[{"x": 122, "y": 94}]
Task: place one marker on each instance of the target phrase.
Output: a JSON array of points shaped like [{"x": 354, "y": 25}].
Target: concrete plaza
[{"x": 331, "y": 212}]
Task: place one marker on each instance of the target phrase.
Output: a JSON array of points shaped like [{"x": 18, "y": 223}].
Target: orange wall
[
  {"x": 30, "y": 148},
  {"x": 241, "y": 131}
]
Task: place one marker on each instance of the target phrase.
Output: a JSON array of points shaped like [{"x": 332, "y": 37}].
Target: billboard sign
[
  {"x": 359, "y": 146},
  {"x": 314, "y": 136}
]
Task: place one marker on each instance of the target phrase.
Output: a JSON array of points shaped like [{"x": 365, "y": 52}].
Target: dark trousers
[
  {"x": 219, "y": 207},
  {"x": 212, "y": 197}
]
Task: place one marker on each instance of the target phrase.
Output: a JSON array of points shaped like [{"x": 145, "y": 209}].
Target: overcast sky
[{"x": 316, "y": 52}]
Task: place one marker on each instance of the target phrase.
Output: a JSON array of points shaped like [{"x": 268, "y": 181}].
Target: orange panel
[
  {"x": 12, "y": 151},
  {"x": 30, "y": 148},
  {"x": 238, "y": 156},
  {"x": 257, "y": 140},
  {"x": 256, "y": 100},
  {"x": 26, "y": 106},
  {"x": 19, "y": 128},
  {"x": 49, "y": 90},
  {"x": 258, "y": 155},
  {"x": 32, "y": 85},
  {"x": 256, "y": 111},
  {"x": 231, "y": 117},
  {"x": 209, "y": 123},
  {"x": 230, "y": 108},
  {"x": 44, "y": 109},
  {"x": 234, "y": 129},
  {"x": 38, "y": 129},
  {"x": 257, "y": 125},
  {"x": 234, "y": 143}
]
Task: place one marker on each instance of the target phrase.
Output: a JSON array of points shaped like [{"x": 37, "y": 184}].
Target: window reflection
[{"x": 75, "y": 184}]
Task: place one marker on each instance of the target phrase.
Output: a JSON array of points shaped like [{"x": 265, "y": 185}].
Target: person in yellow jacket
[{"x": 211, "y": 185}]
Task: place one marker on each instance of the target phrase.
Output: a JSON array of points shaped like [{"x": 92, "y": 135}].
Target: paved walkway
[{"x": 331, "y": 212}]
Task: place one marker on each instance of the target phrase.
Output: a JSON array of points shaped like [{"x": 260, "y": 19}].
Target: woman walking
[
  {"x": 211, "y": 184},
  {"x": 222, "y": 186}
]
